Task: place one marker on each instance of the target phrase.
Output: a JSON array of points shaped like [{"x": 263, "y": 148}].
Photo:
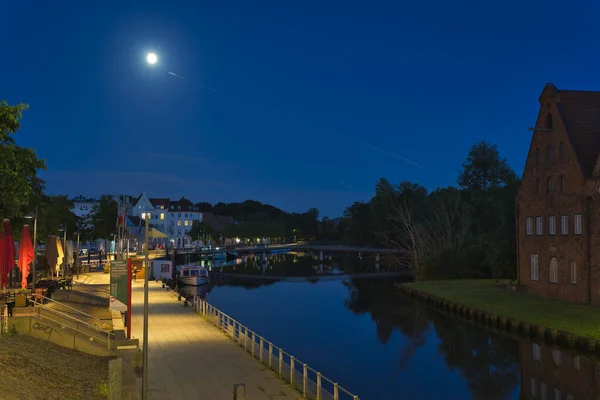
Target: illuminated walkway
[{"x": 190, "y": 359}]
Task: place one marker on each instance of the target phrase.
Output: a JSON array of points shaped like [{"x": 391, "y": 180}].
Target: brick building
[{"x": 558, "y": 205}]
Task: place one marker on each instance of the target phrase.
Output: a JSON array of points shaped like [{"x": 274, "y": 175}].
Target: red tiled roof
[{"x": 580, "y": 111}]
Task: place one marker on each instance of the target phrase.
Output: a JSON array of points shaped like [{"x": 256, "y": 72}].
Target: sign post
[
  {"x": 118, "y": 286},
  {"x": 128, "y": 315}
]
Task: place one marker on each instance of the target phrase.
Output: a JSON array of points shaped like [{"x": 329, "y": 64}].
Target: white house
[
  {"x": 182, "y": 214},
  {"x": 83, "y": 206},
  {"x": 157, "y": 208}
]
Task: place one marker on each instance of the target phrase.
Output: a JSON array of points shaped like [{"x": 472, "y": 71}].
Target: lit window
[
  {"x": 539, "y": 228},
  {"x": 186, "y": 222},
  {"x": 529, "y": 226},
  {"x": 552, "y": 225},
  {"x": 533, "y": 266},
  {"x": 162, "y": 216},
  {"x": 564, "y": 225},
  {"x": 577, "y": 227},
  {"x": 573, "y": 272},
  {"x": 554, "y": 270},
  {"x": 179, "y": 223}
]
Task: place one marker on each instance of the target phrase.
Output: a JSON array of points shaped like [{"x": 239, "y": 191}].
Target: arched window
[
  {"x": 553, "y": 270},
  {"x": 562, "y": 184},
  {"x": 550, "y": 185},
  {"x": 550, "y": 154},
  {"x": 549, "y": 121}
]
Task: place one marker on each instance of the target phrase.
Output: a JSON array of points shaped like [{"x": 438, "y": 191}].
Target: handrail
[
  {"x": 320, "y": 388},
  {"x": 71, "y": 308},
  {"x": 43, "y": 307}
]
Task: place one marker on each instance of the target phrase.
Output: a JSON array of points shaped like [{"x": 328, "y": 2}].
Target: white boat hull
[{"x": 193, "y": 280}]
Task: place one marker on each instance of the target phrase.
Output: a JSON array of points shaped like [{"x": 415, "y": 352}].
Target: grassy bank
[{"x": 490, "y": 296}]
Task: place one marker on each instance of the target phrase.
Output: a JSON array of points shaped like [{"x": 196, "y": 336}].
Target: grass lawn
[{"x": 486, "y": 294}]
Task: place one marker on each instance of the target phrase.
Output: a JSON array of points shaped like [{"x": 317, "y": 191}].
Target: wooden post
[
  {"x": 280, "y": 362},
  {"x": 291, "y": 370}
]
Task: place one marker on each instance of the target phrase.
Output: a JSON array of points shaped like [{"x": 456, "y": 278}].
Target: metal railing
[
  {"x": 71, "y": 310},
  {"x": 306, "y": 380},
  {"x": 92, "y": 332}
]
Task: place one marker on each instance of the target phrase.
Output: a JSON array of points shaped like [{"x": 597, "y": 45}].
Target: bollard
[{"x": 239, "y": 391}]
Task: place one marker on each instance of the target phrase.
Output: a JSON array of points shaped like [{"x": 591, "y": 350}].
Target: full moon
[{"x": 151, "y": 58}]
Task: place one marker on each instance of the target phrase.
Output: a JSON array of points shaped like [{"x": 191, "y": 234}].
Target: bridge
[{"x": 292, "y": 247}]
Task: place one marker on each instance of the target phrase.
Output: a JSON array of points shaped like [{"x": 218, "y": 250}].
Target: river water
[{"x": 380, "y": 345}]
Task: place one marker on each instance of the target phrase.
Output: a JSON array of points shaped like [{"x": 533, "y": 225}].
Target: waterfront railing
[{"x": 311, "y": 383}]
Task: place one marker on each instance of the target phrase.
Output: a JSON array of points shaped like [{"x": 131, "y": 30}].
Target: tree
[
  {"x": 201, "y": 230},
  {"x": 104, "y": 218},
  {"x": 18, "y": 165},
  {"x": 485, "y": 170}
]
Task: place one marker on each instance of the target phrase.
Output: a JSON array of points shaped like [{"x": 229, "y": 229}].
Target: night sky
[{"x": 297, "y": 104}]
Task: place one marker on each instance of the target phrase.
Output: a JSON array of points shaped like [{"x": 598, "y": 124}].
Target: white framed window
[
  {"x": 539, "y": 226},
  {"x": 564, "y": 225},
  {"x": 537, "y": 352},
  {"x": 573, "y": 272},
  {"x": 577, "y": 227},
  {"x": 557, "y": 394},
  {"x": 534, "y": 267},
  {"x": 552, "y": 225},
  {"x": 557, "y": 357},
  {"x": 553, "y": 270},
  {"x": 544, "y": 391},
  {"x": 577, "y": 363},
  {"x": 529, "y": 226},
  {"x": 533, "y": 387}
]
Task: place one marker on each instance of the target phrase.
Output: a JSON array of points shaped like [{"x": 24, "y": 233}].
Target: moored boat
[{"x": 192, "y": 275}]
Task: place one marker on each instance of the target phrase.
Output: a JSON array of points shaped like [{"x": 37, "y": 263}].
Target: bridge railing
[{"x": 308, "y": 381}]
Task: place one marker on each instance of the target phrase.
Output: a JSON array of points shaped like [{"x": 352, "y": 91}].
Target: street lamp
[
  {"x": 146, "y": 217},
  {"x": 34, "y": 217}
]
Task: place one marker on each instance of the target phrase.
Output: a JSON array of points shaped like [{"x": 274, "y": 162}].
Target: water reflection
[{"x": 381, "y": 345}]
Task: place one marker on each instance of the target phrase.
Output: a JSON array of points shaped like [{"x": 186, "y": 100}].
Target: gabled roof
[
  {"x": 160, "y": 202},
  {"x": 138, "y": 199},
  {"x": 580, "y": 112},
  {"x": 182, "y": 205}
]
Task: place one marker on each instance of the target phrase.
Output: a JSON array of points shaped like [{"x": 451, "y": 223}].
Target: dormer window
[
  {"x": 550, "y": 154},
  {"x": 550, "y": 185},
  {"x": 549, "y": 121}
]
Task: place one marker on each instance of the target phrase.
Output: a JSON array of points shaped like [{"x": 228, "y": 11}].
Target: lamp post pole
[
  {"x": 145, "y": 336},
  {"x": 34, "y": 248},
  {"x": 64, "y": 266},
  {"x": 78, "y": 261}
]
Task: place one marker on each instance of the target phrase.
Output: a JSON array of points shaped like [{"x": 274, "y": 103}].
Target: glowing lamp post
[{"x": 146, "y": 218}]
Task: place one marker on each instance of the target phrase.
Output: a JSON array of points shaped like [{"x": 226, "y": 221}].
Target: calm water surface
[{"x": 379, "y": 345}]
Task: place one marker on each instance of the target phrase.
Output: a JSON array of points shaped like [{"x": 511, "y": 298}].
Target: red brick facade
[{"x": 558, "y": 206}]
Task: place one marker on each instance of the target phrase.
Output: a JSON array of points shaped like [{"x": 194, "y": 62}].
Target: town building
[
  {"x": 558, "y": 205},
  {"x": 182, "y": 215},
  {"x": 83, "y": 206},
  {"x": 157, "y": 208}
]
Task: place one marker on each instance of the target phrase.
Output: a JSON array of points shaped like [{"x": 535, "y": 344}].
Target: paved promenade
[{"x": 189, "y": 359}]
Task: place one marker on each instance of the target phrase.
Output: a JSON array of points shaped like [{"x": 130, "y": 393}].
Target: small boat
[{"x": 193, "y": 275}]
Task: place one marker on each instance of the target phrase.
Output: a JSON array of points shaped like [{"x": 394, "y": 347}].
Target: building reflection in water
[{"x": 555, "y": 374}]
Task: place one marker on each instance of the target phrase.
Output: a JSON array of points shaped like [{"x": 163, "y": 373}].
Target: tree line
[{"x": 465, "y": 231}]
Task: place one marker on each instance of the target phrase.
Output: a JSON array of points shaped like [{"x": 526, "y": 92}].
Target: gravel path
[{"x": 32, "y": 369}]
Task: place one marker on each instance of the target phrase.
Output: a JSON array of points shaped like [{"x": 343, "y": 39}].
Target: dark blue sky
[{"x": 297, "y": 104}]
